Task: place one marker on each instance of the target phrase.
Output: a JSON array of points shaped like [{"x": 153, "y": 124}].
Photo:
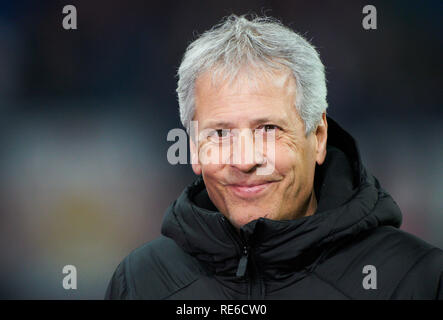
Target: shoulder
[
  {"x": 418, "y": 265},
  {"x": 395, "y": 242},
  {"x": 155, "y": 270},
  {"x": 405, "y": 265}
]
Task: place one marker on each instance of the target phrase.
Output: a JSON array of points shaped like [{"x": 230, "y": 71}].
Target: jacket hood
[{"x": 349, "y": 201}]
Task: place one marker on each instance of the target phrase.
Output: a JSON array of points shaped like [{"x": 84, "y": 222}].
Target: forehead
[
  {"x": 250, "y": 95},
  {"x": 248, "y": 80}
]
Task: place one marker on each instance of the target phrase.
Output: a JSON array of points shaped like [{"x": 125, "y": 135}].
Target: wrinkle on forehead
[{"x": 256, "y": 78}]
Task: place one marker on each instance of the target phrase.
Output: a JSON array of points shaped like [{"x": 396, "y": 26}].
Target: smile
[{"x": 249, "y": 191}]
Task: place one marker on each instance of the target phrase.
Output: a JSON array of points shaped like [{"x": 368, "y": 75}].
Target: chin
[{"x": 242, "y": 217}]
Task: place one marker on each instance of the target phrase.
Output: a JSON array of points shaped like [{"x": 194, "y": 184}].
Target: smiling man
[{"x": 316, "y": 226}]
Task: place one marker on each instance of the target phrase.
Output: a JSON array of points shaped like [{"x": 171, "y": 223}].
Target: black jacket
[{"x": 323, "y": 256}]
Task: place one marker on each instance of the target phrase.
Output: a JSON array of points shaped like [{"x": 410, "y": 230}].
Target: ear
[
  {"x": 196, "y": 167},
  {"x": 321, "y": 135}
]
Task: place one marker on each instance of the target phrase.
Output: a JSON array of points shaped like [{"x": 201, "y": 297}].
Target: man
[{"x": 317, "y": 226}]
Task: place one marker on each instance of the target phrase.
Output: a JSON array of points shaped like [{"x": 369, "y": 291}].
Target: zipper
[
  {"x": 243, "y": 263},
  {"x": 254, "y": 280},
  {"x": 241, "y": 245},
  {"x": 256, "y": 289}
]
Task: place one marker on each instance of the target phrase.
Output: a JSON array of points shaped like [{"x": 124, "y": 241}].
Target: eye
[
  {"x": 269, "y": 127},
  {"x": 219, "y": 134}
]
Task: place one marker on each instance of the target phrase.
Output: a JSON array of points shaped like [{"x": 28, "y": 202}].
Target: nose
[{"x": 245, "y": 156}]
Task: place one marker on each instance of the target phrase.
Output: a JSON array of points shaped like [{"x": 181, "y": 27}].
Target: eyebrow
[
  {"x": 273, "y": 120},
  {"x": 254, "y": 122}
]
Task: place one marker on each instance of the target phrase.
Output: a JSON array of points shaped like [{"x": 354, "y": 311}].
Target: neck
[
  {"x": 308, "y": 208},
  {"x": 311, "y": 205}
]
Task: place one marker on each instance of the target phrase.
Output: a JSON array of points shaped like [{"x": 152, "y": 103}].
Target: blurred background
[{"x": 84, "y": 116}]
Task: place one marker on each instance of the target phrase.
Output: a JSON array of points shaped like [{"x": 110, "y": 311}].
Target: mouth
[{"x": 250, "y": 190}]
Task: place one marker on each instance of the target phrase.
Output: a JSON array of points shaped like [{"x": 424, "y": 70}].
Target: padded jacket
[{"x": 351, "y": 248}]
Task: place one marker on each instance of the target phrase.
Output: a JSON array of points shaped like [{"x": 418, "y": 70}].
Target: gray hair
[{"x": 264, "y": 43}]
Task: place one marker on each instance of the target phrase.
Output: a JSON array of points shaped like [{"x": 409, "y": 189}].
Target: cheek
[
  {"x": 212, "y": 172},
  {"x": 287, "y": 157},
  {"x": 211, "y": 179},
  {"x": 295, "y": 162},
  {"x": 214, "y": 177}
]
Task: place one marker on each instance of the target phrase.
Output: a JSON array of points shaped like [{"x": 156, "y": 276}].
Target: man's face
[{"x": 235, "y": 188}]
